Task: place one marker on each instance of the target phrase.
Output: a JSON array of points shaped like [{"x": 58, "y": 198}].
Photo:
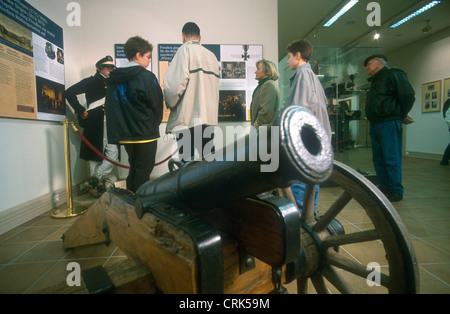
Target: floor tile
[
  {"x": 17, "y": 278},
  {"x": 43, "y": 251},
  {"x": 427, "y": 253},
  {"x": 10, "y": 251},
  {"x": 431, "y": 284},
  {"x": 34, "y": 234}
]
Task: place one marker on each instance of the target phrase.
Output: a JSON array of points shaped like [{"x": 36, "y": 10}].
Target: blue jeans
[
  {"x": 387, "y": 155},
  {"x": 298, "y": 191}
]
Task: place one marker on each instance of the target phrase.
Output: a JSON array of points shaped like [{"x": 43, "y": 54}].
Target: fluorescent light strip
[
  {"x": 421, "y": 10},
  {"x": 341, "y": 12}
]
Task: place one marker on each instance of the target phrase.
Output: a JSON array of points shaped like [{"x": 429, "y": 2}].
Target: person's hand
[
  {"x": 408, "y": 120},
  {"x": 84, "y": 115}
]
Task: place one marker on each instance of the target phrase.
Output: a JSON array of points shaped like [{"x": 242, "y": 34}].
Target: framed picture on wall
[
  {"x": 446, "y": 89},
  {"x": 431, "y": 96}
]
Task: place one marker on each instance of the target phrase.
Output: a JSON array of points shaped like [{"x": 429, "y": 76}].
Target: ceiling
[{"x": 304, "y": 19}]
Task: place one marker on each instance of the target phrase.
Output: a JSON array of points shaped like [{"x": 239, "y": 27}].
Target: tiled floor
[{"x": 32, "y": 257}]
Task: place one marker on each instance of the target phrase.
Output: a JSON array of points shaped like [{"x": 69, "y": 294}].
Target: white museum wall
[
  {"x": 425, "y": 61},
  {"x": 32, "y": 155}
]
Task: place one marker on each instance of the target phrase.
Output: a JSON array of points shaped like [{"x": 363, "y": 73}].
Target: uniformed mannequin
[{"x": 92, "y": 119}]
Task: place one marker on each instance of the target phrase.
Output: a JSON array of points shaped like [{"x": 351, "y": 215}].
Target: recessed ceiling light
[
  {"x": 341, "y": 12},
  {"x": 415, "y": 13}
]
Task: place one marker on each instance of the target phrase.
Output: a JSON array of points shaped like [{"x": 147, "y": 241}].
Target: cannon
[{"x": 217, "y": 226}]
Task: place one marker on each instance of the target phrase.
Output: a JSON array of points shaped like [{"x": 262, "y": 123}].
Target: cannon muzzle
[{"x": 299, "y": 150}]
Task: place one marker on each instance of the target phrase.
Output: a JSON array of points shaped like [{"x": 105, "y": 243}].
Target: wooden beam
[{"x": 164, "y": 249}]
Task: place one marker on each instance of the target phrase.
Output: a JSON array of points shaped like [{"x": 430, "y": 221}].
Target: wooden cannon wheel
[{"x": 329, "y": 268}]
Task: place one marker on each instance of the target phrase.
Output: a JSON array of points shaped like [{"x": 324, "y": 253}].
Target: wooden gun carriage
[{"x": 216, "y": 227}]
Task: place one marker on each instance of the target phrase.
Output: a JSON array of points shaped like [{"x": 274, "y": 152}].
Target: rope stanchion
[{"x": 70, "y": 211}]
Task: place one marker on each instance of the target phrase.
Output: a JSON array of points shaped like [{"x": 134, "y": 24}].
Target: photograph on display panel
[
  {"x": 446, "y": 89},
  {"x": 431, "y": 97}
]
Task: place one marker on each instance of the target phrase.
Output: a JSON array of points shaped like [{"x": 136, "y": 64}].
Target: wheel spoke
[
  {"x": 353, "y": 267},
  {"x": 302, "y": 285},
  {"x": 336, "y": 280},
  {"x": 319, "y": 284},
  {"x": 308, "y": 204},
  {"x": 356, "y": 237},
  {"x": 332, "y": 212}
]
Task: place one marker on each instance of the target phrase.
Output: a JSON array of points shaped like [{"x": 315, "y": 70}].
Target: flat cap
[{"x": 373, "y": 57}]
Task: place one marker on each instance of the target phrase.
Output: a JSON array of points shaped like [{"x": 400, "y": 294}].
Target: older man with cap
[
  {"x": 92, "y": 119},
  {"x": 389, "y": 100}
]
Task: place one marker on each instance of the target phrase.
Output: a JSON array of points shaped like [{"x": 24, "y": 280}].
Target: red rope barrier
[
  {"x": 106, "y": 158},
  {"x": 164, "y": 160}
]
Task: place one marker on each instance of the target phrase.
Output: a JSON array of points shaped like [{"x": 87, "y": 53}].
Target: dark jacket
[
  {"x": 391, "y": 96},
  {"x": 93, "y": 88},
  {"x": 134, "y": 105}
]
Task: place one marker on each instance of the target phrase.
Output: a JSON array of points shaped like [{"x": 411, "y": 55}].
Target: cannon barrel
[{"x": 300, "y": 151}]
